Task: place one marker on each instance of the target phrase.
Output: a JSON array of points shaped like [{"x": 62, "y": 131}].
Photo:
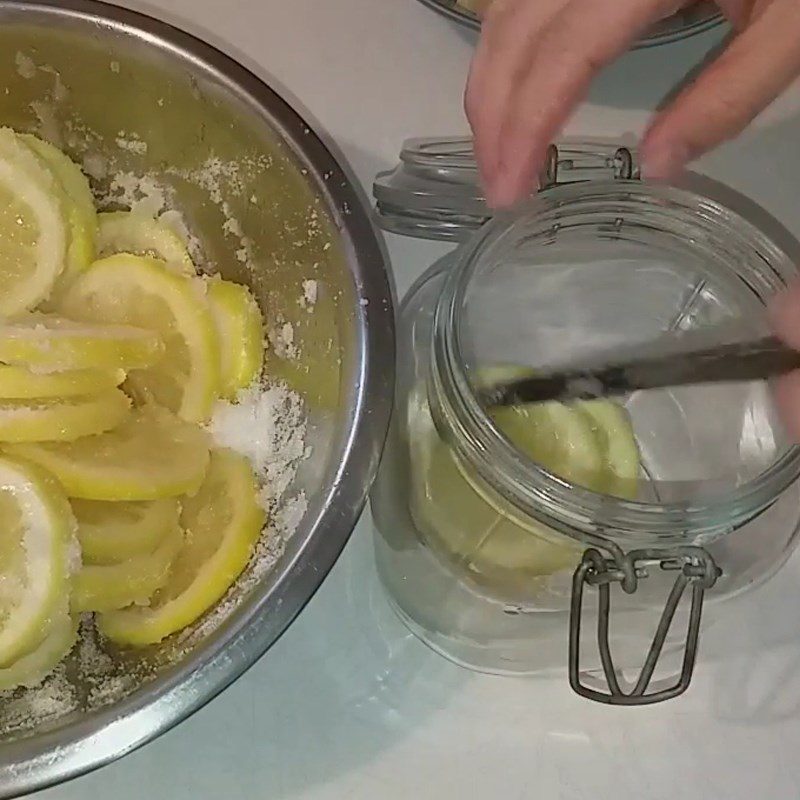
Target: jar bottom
[
  {"x": 499, "y": 639},
  {"x": 485, "y": 633}
]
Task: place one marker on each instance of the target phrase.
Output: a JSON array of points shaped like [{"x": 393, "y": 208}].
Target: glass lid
[{"x": 434, "y": 191}]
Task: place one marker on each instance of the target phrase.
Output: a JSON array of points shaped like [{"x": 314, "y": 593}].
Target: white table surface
[{"x": 348, "y": 704}]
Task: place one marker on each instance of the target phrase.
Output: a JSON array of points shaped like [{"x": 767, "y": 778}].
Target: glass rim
[{"x": 571, "y": 508}]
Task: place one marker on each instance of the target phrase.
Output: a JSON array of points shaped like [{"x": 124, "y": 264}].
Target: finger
[
  {"x": 784, "y": 315},
  {"x": 755, "y": 68},
  {"x": 503, "y": 51},
  {"x": 786, "y": 391},
  {"x": 569, "y": 51}
]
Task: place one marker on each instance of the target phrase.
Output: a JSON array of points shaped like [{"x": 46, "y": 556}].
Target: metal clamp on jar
[{"x": 501, "y": 531}]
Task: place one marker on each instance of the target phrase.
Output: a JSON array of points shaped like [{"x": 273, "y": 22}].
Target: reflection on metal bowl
[{"x": 131, "y": 96}]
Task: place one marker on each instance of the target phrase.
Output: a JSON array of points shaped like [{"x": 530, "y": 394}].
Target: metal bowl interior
[
  {"x": 141, "y": 104},
  {"x": 694, "y": 19}
]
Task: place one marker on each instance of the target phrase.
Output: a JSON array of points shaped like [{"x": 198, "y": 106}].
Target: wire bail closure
[
  {"x": 588, "y": 160},
  {"x": 695, "y": 568}
]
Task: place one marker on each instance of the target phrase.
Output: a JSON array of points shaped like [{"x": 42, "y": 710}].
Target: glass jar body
[{"x": 449, "y": 546}]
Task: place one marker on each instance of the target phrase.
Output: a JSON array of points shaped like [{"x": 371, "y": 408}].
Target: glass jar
[{"x": 498, "y": 540}]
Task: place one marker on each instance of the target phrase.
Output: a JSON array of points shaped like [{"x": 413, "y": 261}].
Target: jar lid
[{"x": 434, "y": 192}]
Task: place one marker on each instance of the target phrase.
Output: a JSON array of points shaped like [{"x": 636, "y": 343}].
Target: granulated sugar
[
  {"x": 267, "y": 426},
  {"x": 281, "y": 337},
  {"x": 309, "y": 297},
  {"x": 132, "y": 143},
  {"x": 53, "y": 698}
]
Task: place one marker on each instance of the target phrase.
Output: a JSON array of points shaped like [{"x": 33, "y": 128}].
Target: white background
[{"x": 347, "y": 704}]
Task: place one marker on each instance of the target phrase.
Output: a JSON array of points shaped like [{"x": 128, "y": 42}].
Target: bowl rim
[{"x": 32, "y": 763}]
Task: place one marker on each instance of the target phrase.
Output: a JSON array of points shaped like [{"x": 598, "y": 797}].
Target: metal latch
[
  {"x": 696, "y": 569},
  {"x": 588, "y": 160}
]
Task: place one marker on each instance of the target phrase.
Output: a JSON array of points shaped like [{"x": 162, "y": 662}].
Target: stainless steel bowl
[
  {"x": 699, "y": 17},
  {"x": 272, "y": 207}
]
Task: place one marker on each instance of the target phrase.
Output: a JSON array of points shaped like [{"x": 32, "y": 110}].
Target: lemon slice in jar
[
  {"x": 38, "y": 532},
  {"x": 142, "y": 292},
  {"x": 241, "y": 334},
  {"x": 612, "y": 424},
  {"x": 80, "y": 210},
  {"x": 153, "y": 454},
  {"x": 454, "y": 507},
  {"x": 138, "y": 233},
  {"x": 34, "y": 231},
  {"x": 473, "y": 524},
  {"x": 49, "y": 343},
  {"x": 222, "y": 523}
]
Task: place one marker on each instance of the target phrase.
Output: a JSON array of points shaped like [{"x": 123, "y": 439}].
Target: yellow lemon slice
[
  {"x": 142, "y": 292},
  {"x": 49, "y": 343},
  {"x": 35, "y": 550},
  {"x": 153, "y": 454},
  {"x": 33, "y": 227},
  {"x": 19, "y": 383},
  {"x": 222, "y": 523},
  {"x": 113, "y": 532},
  {"x": 241, "y": 334},
  {"x": 140, "y": 234},
  {"x": 80, "y": 210},
  {"x": 62, "y": 419},
  {"x": 108, "y": 587},
  {"x": 32, "y": 668},
  {"x": 612, "y": 424}
]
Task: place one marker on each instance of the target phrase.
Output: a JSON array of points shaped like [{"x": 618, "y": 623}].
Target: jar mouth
[{"x": 764, "y": 267}]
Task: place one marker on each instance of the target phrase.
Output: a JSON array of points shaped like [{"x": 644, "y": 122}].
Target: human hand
[
  {"x": 784, "y": 315},
  {"x": 536, "y": 59}
]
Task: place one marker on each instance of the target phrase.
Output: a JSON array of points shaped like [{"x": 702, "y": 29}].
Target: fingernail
[{"x": 662, "y": 162}]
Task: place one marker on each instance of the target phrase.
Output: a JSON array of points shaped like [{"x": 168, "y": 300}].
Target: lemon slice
[
  {"x": 472, "y": 523},
  {"x": 612, "y": 424},
  {"x": 112, "y": 532},
  {"x": 241, "y": 334},
  {"x": 32, "y": 668},
  {"x": 222, "y": 522},
  {"x": 81, "y": 214},
  {"x": 18, "y": 383},
  {"x": 153, "y": 454},
  {"x": 558, "y": 438},
  {"x": 33, "y": 227},
  {"x": 61, "y": 419},
  {"x": 108, "y": 587},
  {"x": 140, "y": 291},
  {"x": 48, "y": 343},
  {"x": 136, "y": 232},
  {"x": 37, "y": 536}
]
